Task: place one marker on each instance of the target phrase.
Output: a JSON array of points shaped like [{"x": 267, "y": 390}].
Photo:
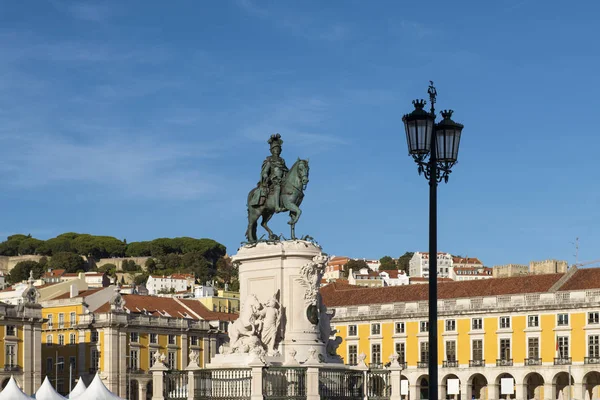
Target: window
[
  {"x": 533, "y": 321},
  {"x": 94, "y": 337},
  {"x": 352, "y": 330},
  {"x": 61, "y": 320},
  {"x": 401, "y": 351},
  {"x": 95, "y": 360},
  {"x": 424, "y": 351},
  {"x": 11, "y": 330},
  {"x": 593, "y": 346},
  {"x": 151, "y": 354},
  {"x": 399, "y": 327},
  {"x": 49, "y": 365},
  {"x": 593, "y": 318},
  {"x": 424, "y": 326},
  {"x": 563, "y": 320},
  {"x": 352, "y": 354},
  {"x": 171, "y": 360},
  {"x": 504, "y": 322},
  {"x": 72, "y": 338},
  {"x": 134, "y": 337},
  {"x": 563, "y": 346},
  {"x": 450, "y": 350},
  {"x": 478, "y": 350},
  {"x": 171, "y": 339},
  {"x": 376, "y": 354},
  {"x": 450, "y": 325},
  {"x": 61, "y": 340},
  {"x": 133, "y": 359},
  {"x": 505, "y": 349},
  {"x": 72, "y": 364},
  {"x": 533, "y": 346},
  {"x": 49, "y": 321},
  {"x": 476, "y": 324},
  {"x": 153, "y": 338},
  {"x": 10, "y": 359},
  {"x": 375, "y": 329},
  {"x": 60, "y": 362},
  {"x": 194, "y": 340},
  {"x": 73, "y": 319},
  {"x": 48, "y": 340}
]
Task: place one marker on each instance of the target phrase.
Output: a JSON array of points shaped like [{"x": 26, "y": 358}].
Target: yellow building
[
  {"x": 226, "y": 301},
  {"x": 531, "y": 329},
  {"x": 20, "y": 329},
  {"x": 117, "y": 336}
]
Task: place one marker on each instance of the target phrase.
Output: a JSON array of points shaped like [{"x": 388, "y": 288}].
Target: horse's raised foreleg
[
  {"x": 295, "y": 213},
  {"x": 266, "y": 216}
]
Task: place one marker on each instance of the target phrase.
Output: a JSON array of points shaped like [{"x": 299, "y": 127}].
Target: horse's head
[{"x": 303, "y": 172}]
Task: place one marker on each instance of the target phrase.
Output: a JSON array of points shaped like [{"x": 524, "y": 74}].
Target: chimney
[{"x": 74, "y": 291}]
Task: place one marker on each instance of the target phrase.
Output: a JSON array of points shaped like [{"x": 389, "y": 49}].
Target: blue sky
[{"x": 140, "y": 120}]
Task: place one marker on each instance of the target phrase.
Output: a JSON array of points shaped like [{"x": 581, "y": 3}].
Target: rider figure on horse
[{"x": 272, "y": 173}]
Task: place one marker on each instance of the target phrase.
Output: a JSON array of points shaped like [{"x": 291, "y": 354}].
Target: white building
[
  {"x": 365, "y": 277},
  {"x": 201, "y": 291},
  {"x": 419, "y": 265},
  {"x": 335, "y": 267},
  {"x": 470, "y": 273},
  {"x": 394, "y": 278},
  {"x": 169, "y": 284}
]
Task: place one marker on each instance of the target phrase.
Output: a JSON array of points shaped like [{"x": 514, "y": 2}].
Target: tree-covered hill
[{"x": 203, "y": 257}]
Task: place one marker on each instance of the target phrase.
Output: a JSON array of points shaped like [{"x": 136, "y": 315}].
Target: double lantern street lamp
[{"x": 434, "y": 147}]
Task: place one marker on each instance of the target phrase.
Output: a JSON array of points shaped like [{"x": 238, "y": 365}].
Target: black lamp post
[{"x": 434, "y": 148}]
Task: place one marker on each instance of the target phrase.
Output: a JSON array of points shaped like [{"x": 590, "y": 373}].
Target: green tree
[
  {"x": 387, "y": 263},
  {"x": 150, "y": 265},
  {"x": 59, "y": 244},
  {"x": 70, "y": 262},
  {"x": 355, "y": 265},
  {"x": 10, "y": 247},
  {"x": 29, "y": 246},
  {"x": 404, "y": 260},
  {"x": 129, "y": 266},
  {"x": 140, "y": 279},
  {"x": 138, "y": 249},
  {"x": 20, "y": 272}
]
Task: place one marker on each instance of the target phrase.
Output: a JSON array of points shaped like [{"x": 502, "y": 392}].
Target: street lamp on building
[{"x": 434, "y": 147}]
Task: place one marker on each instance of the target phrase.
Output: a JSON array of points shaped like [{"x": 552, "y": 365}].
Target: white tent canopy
[
  {"x": 12, "y": 392},
  {"x": 47, "y": 392},
  {"x": 78, "y": 389},
  {"x": 96, "y": 391}
]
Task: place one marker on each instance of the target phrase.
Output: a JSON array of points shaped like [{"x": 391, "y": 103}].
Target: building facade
[
  {"x": 20, "y": 341},
  {"x": 102, "y": 331},
  {"x": 530, "y": 329},
  {"x": 470, "y": 273},
  {"x": 175, "y": 283},
  {"x": 419, "y": 265}
]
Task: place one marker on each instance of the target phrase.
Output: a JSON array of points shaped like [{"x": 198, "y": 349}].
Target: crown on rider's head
[{"x": 275, "y": 140}]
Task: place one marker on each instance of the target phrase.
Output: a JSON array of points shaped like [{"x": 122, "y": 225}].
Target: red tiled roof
[
  {"x": 83, "y": 293},
  {"x": 169, "y": 307},
  {"x": 206, "y": 314},
  {"x": 54, "y": 273},
  {"x": 335, "y": 295},
  {"x": 393, "y": 273},
  {"x": 583, "y": 279}
]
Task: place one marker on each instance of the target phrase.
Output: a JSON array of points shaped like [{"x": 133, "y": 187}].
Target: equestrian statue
[{"x": 279, "y": 190}]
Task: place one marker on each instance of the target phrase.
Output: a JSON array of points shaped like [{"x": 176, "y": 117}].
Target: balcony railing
[
  {"x": 450, "y": 364},
  {"x": 476, "y": 363},
  {"x": 591, "y": 360},
  {"x": 422, "y": 364},
  {"x": 11, "y": 367},
  {"x": 376, "y": 366},
  {"x": 135, "y": 371},
  {"x": 504, "y": 362},
  {"x": 533, "y": 361},
  {"x": 562, "y": 361}
]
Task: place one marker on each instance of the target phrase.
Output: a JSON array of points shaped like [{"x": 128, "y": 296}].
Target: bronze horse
[{"x": 292, "y": 193}]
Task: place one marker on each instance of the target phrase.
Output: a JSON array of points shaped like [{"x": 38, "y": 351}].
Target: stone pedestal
[{"x": 289, "y": 271}]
